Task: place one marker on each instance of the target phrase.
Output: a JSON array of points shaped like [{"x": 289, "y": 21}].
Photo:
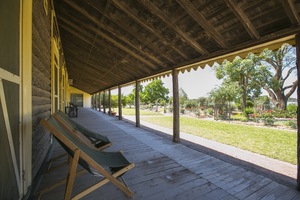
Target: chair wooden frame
[
  {"x": 88, "y": 140},
  {"x": 89, "y": 137},
  {"x": 80, "y": 152}
]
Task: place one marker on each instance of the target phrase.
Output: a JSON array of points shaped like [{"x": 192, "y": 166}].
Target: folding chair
[
  {"x": 98, "y": 140},
  {"x": 110, "y": 165}
]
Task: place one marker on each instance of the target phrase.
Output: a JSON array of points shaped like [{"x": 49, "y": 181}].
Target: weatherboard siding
[{"x": 41, "y": 83}]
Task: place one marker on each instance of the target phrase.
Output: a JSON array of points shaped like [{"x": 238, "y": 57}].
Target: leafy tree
[
  {"x": 191, "y": 104},
  {"x": 262, "y": 103},
  {"x": 124, "y": 100},
  {"x": 203, "y": 101},
  {"x": 292, "y": 108},
  {"x": 274, "y": 69},
  {"x": 114, "y": 101},
  {"x": 130, "y": 99},
  {"x": 224, "y": 94},
  {"x": 155, "y": 91},
  {"x": 242, "y": 72},
  {"x": 132, "y": 94}
]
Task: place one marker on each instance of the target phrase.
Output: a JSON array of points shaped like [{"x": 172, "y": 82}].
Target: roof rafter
[
  {"x": 108, "y": 38},
  {"x": 243, "y": 18},
  {"x": 202, "y": 21},
  {"x": 291, "y": 11},
  {"x": 133, "y": 33},
  {"x": 143, "y": 23},
  {"x": 94, "y": 67},
  {"x": 84, "y": 38},
  {"x": 156, "y": 11}
]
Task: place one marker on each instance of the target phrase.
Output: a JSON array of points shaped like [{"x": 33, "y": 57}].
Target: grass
[
  {"x": 277, "y": 144},
  {"x": 131, "y": 111}
]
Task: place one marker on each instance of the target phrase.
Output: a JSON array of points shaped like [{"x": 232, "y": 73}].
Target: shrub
[
  {"x": 292, "y": 108},
  {"x": 210, "y": 111},
  {"x": 292, "y": 124},
  {"x": 249, "y": 104},
  {"x": 267, "y": 117},
  {"x": 284, "y": 114},
  {"x": 248, "y": 111}
]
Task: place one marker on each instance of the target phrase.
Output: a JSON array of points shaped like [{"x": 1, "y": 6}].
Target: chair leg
[
  {"x": 72, "y": 174},
  {"x": 115, "y": 181},
  {"x": 57, "y": 184}
]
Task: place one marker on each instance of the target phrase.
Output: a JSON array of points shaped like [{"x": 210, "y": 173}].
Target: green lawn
[
  {"x": 131, "y": 111},
  {"x": 278, "y": 144}
]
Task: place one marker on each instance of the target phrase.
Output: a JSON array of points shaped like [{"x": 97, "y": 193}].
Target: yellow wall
[{"x": 86, "y": 96}]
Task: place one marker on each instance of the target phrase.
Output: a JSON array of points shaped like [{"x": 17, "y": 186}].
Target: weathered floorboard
[{"x": 165, "y": 170}]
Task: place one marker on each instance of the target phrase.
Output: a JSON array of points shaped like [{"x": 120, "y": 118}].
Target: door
[
  {"x": 11, "y": 166},
  {"x": 77, "y": 99}
]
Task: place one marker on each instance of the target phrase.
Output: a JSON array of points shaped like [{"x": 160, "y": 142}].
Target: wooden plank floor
[{"x": 163, "y": 169}]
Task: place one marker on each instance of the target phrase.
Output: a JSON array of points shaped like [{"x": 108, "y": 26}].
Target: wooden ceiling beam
[
  {"x": 291, "y": 11},
  {"x": 109, "y": 39},
  {"x": 141, "y": 70},
  {"x": 143, "y": 23},
  {"x": 93, "y": 76},
  {"x": 172, "y": 25},
  {"x": 84, "y": 39},
  {"x": 100, "y": 67},
  {"x": 112, "y": 32},
  {"x": 202, "y": 21},
  {"x": 243, "y": 18},
  {"x": 143, "y": 40}
]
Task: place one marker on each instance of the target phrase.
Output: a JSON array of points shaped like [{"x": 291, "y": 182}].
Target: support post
[
  {"x": 120, "y": 102},
  {"x": 298, "y": 110},
  {"x": 26, "y": 95},
  {"x": 109, "y": 102},
  {"x": 176, "y": 129},
  {"x": 137, "y": 104},
  {"x": 104, "y": 106},
  {"x": 95, "y": 101},
  {"x": 99, "y": 102},
  {"x": 92, "y": 101}
]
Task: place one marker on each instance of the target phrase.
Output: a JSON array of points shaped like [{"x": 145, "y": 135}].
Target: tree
[
  {"x": 155, "y": 91},
  {"x": 242, "y": 72},
  {"x": 224, "y": 95},
  {"x": 262, "y": 103},
  {"x": 130, "y": 99},
  {"x": 203, "y": 102},
  {"x": 192, "y": 104},
  {"x": 124, "y": 100},
  {"x": 114, "y": 101},
  {"x": 274, "y": 70},
  {"x": 132, "y": 94}
]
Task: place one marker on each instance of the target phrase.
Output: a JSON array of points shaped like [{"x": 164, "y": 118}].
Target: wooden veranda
[
  {"x": 164, "y": 170},
  {"x": 50, "y": 49}
]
